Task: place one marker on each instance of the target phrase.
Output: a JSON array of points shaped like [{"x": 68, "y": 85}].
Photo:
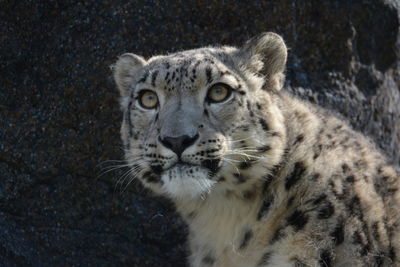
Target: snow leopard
[{"x": 261, "y": 177}]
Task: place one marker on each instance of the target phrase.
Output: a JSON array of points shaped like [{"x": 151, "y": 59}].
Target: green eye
[
  {"x": 148, "y": 99},
  {"x": 218, "y": 93}
]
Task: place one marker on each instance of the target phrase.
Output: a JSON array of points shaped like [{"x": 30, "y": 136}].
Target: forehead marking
[
  {"x": 154, "y": 77},
  {"x": 195, "y": 67},
  {"x": 183, "y": 69},
  {"x": 144, "y": 77},
  {"x": 209, "y": 74},
  {"x": 167, "y": 65}
]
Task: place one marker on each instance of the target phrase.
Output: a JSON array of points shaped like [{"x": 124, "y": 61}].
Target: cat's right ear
[{"x": 125, "y": 71}]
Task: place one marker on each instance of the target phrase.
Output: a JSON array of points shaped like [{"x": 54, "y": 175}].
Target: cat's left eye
[{"x": 218, "y": 93}]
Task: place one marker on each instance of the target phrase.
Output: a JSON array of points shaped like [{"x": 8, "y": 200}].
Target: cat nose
[{"x": 178, "y": 144}]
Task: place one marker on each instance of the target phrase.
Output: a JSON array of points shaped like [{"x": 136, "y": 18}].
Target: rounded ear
[
  {"x": 266, "y": 54},
  {"x": 125, "y": 69}
]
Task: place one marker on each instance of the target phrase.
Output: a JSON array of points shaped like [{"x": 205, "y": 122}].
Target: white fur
[
  {"x": 281, "y": 132},
  {"x": 182, "y": 186}
]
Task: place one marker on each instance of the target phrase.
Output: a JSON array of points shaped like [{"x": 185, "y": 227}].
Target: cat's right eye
[{"x": 148, "y": 99}]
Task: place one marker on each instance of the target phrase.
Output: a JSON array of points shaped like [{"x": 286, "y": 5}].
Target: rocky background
[{"x": 59, "y": 114}]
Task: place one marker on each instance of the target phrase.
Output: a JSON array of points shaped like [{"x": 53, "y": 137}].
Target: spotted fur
[{"x": 268, "y": 180}]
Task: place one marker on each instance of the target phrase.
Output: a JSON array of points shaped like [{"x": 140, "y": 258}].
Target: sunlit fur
[{"x": 270, "y": 180}]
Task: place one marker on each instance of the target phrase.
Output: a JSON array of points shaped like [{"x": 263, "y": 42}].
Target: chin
[{"x": 186, "y": 182}]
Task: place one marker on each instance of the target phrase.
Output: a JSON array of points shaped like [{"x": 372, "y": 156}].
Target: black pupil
[
  {"x": 219, "y": 91},
  {"x": 150, "y": 97}
]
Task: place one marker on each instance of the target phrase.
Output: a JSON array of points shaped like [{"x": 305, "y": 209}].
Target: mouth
[
  {"x": 211, "y": 166},
  {"x": 181, "y": 163},
  {"x": 182, "y": 166}
]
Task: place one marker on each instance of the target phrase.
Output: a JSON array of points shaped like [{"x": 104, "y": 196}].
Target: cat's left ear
[{"x": 266, "y": 55}]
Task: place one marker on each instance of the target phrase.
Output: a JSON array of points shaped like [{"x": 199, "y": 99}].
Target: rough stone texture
[{"x": 59, "y": 114}]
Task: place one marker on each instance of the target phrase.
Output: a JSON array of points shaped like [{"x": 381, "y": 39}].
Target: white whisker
[
  {"x": 237, "y": 170},
  {"x": 131, "y": 172}
]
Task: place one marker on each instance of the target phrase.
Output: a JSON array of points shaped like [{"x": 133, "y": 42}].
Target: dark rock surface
[{"x": 59, "y": 114}]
